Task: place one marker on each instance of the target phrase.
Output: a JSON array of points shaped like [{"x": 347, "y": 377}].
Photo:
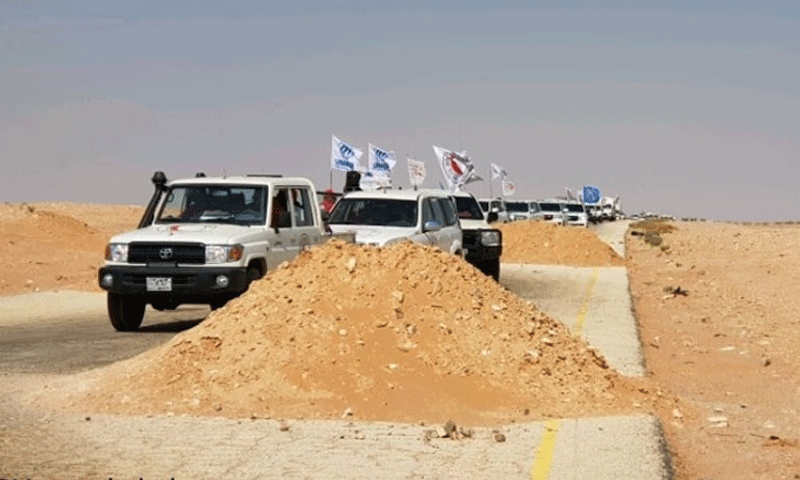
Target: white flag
[
  {"x": 370, "y": 181},
  {"x": 416, "y": 172},
  {"x": 381, "y": 162},
  {"x": 498, "y": 172},
  {"x": 456, "y": 167},
  {"x": 508, "y": 188},
  {"x": 343, "y": 156}
]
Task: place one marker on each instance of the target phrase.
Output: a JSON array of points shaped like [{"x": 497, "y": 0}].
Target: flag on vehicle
[
  {"x": 381, "y": 162},
  {"x": 371, "y": 181},
  {"x": 416, "y": 172},
  {"x": 570, "y": 195},
  {"x": 498, "y": 172},
  {"x": 343, "y": 156},
  {"x": 508, "y": 188},
  {"x": 591, "y": 195},
  {"x": 456, "y": 167}
]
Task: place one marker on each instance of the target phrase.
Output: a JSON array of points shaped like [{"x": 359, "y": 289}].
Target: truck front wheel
[
  {"x": 491, "y": 268},
  {"x": 125, "y": 312}
]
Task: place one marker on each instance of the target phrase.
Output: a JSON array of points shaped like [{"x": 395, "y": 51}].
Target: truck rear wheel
[{"x": 125, "y": 312}]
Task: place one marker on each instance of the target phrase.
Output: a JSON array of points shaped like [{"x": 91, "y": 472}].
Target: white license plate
[{"x": 159, "y": 284}]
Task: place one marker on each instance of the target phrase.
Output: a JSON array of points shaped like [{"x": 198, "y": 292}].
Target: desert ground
[{"x": 716, "y": 305}]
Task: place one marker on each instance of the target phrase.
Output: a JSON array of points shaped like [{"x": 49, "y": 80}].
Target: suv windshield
[
  {"x": 374, "y": 211},
  {"x": 575, "y": 208},
  {"x": 235, "y": 204},
  {"x": 468, "y": 209},
  {"x": 516, "y": 206},
  {"x": 550, "y": 207}
]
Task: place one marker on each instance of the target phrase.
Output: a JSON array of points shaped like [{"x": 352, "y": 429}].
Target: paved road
[{"x": 37, "y": 346}]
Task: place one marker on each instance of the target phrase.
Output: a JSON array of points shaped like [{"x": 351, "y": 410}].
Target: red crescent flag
[{"x": 455, "y": 165}]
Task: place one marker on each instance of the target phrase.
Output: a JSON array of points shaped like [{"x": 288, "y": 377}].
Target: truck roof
[{"x": 239, "y": 180}]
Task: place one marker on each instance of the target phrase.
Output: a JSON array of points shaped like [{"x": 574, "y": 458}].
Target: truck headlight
[
  {"x": 117, "y": 252},
  {"x": 223, "y": 253},
  {"x": 490, "y": 238}
]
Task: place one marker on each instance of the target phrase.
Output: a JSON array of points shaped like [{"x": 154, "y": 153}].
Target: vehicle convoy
[
  {"x": 383, "y": 217},
  {"x": 482, "y": 244},
  {"x": 203, "y": 240}
]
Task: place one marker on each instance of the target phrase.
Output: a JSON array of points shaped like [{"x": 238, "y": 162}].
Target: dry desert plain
[{"x": 716, "y": 305}]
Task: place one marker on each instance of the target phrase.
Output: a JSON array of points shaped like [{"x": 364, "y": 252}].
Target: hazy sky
[{"x": 686, "y": 108}]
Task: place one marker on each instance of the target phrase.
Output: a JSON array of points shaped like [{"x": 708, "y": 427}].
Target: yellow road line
[
  {"x": 544, "y": 456},
  {"x": 585, "y": 305}
]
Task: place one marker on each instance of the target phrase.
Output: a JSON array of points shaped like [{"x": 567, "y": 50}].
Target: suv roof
[{"x": 398, "y": 194}]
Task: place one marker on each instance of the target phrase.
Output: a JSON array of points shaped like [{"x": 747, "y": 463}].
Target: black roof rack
[{"x": 271, "y": 175}]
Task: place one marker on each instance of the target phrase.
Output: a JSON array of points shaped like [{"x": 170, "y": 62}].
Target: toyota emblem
[{"x": 165, "y": 253}]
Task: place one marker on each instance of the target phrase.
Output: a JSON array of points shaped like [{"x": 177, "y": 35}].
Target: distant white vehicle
[
  {"x": 576, "y": 214},
  {"x": 550, "y": 210},
  {"x": 383, "y": 217},
  {"x": 518, "y": 210},
  {"x": 496, "y": 205}
]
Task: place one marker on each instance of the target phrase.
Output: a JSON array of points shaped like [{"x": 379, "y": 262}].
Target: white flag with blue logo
[
  {"x": 381, "y": 162},
  {"x": 343, "y": 156}
]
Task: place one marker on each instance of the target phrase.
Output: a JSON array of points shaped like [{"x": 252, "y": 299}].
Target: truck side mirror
[{"x": 491, "y": 217}]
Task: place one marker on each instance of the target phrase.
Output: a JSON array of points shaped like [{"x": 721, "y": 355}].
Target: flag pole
[{"x": 490, "y": 181}]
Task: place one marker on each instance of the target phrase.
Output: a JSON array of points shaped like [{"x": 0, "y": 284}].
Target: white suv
[
  {"x": 576, "y": 214},
  {"x": 550, "y": 210},
  {"x": 382, "y": 217}
]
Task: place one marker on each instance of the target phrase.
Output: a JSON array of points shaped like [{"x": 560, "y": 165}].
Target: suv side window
[
  {"x": 427, "y": 212},
  {"x": 449, "y": 209},
  {"x": 280, "y": 216},
  {"x": 303, "y": 216},
  {"x": 438, "y": 213}
]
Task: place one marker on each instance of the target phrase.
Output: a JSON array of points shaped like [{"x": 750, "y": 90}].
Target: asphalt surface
[{"x": 46, "y": 335}]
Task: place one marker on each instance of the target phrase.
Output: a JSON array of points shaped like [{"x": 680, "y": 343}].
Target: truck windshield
[
  {"x": 234, "y": 204},
  {"x": 374, "y": 211},
  {"x": 468, "y": 209}
]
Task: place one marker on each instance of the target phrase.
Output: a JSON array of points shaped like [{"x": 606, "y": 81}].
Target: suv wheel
[{"x": 125, "y": 312}]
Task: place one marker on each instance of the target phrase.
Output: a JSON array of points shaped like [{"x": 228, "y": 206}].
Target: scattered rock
[{"x": 718, "y": 421}]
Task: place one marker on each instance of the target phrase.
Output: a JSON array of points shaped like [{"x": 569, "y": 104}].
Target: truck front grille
[{"x": 187, "y": 253}]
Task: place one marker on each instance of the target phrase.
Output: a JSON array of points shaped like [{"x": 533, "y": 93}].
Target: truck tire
[
  {"x": 491, "y": 268},
  {"x": 253, "y": 274},
  {"x": 125, "y": 312}
]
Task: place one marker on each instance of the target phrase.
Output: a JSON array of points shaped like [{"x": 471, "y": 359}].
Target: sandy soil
[{"x": 716, "y": 305}]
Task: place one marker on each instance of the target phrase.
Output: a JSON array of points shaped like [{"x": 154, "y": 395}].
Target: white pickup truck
[{"x": 203, "y": 240}]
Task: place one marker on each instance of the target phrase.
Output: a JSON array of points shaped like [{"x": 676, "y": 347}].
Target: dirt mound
[
  {"x": 402, "y": 333},
  {"x": 40, "y": 250},
  {"x": 547, "y": 243}
]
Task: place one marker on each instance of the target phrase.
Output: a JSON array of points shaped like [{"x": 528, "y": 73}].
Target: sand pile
[
  {"x": 403, "y": 333},
  {"x": 547, "y": 243},
  {"x": 40, "y": 250}
]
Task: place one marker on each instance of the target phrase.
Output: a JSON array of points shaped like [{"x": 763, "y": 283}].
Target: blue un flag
[{"x": 591, "y": 194}]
